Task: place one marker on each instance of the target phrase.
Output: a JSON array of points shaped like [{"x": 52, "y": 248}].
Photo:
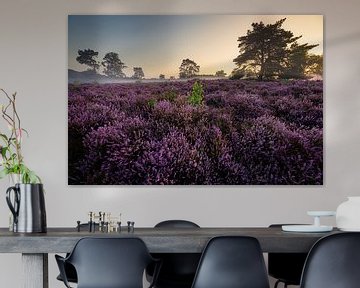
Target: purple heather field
[{"x": 245, "y": 133}]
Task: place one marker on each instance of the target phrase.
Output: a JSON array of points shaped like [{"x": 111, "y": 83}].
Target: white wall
[{"x": 33, "y": 62}]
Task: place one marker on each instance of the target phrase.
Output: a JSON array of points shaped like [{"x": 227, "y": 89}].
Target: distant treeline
[{"x": 266, "y": 52}]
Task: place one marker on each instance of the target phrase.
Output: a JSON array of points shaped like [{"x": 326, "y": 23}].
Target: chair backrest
[
  {"x": 176, "y": 224},
  {"x": 232, "y": 262},
  {"x": 178, "y": 269},
  {"x": 333, "y": 262},
  {"x": 110, "y": 262}
]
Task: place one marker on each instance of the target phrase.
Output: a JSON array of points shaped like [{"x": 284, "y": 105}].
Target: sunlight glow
[{"x": 159, "y": 43}]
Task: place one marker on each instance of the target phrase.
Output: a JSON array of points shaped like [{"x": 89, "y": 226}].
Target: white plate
[
  {"x": 321, "y": 213},
  {"x": 306, "y": 228}
]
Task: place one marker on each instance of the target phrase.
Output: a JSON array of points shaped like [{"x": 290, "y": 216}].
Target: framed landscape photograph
[{"x": 195, "y": 100}]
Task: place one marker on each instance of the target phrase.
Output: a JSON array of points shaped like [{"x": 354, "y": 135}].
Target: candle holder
[{"x": 315, "y": 227}]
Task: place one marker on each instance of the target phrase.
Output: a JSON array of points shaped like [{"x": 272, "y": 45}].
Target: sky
[{"x": 159, "y": 43}]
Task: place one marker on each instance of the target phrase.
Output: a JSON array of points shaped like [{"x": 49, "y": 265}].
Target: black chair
[
  {"x": 178, "y": 269},
  {"x": 69, "y": 269},
  {"x": 232, "y": 262},
  {"x": 108, "y": 263},
  {"x": 286, "y": 267},
  {"x": 333, "y": 262}
]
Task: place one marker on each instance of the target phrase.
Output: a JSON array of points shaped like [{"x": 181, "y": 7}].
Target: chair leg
[{"x": 279, "y": 281}]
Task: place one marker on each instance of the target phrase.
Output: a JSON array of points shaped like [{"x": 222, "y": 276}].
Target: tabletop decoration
[
  {"x": 25, "y": 197},
  {"x": 315, "y": 227},
  {"x": 12, "y": 160},
  {"x": 348, "y": 214}
]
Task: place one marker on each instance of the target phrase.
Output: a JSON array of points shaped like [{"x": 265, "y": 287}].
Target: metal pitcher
[{"x": 28, "y": 207}]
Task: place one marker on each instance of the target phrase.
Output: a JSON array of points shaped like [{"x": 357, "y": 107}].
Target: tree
[
  {"x": 196, "y": 97},
  {"x": 87, "y": 57},
  {"x": 188, "y": 69},
  {"x": 162, "y": 76},
  {"x": 314, "y": 65},
  {"x": 220, "y": 73},
  {"x": 264, "y": 49},
  {"x": 237, "y": 73},
  {"x": 138, "y": 73},
  {"x": 113, "y": 67},
  {"x": 296, "y": 61}
]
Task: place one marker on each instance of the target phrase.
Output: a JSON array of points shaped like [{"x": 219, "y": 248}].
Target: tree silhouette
[
  {"x": 220, "y": 73},
  {"x": 188, "y": 69},
  {"x": 243, "y": 72},
  {"x": 113, "y": 67},
  {"x": 296, "y": 62},
  {"x": 87, "y": 57},
  {"x": 162, "y": 76},
  {"x": 265, "y": 49},
  {"x": 138, "y": 73},
  {"x": 237, "y": 73}
]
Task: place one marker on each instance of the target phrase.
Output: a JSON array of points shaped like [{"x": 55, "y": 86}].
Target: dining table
[{"x": 35, "y": 247}]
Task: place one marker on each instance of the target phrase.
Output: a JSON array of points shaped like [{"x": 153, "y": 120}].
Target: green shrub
[
  {"x": 151, "y": 102},
  {"x": 197, "y": 94}
]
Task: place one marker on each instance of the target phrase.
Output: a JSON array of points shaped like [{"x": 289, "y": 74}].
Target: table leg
[{"x": 35, "y": 270}]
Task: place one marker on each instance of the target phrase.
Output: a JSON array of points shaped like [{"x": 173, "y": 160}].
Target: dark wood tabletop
[{"x": 158, "y": 240}]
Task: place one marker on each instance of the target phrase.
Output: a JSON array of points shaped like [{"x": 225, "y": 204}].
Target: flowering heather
[{"x": 243, "y": 133}]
